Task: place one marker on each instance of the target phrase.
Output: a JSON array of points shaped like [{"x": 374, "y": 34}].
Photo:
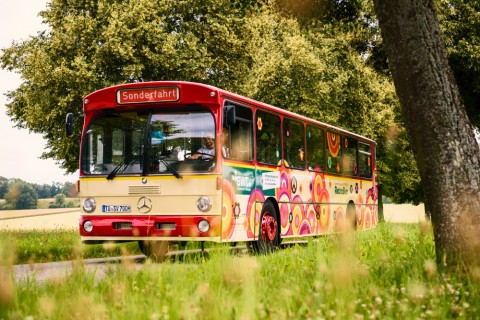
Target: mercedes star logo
[{"x": 144, "y": 205}]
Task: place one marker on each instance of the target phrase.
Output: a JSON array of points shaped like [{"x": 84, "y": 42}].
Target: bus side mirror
[
  {"x": 230, "y": 116},
  {"x": 69, "y": 124}
]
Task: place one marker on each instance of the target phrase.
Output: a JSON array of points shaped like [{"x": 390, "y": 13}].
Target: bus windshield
[{"x": 142, "y": 143}]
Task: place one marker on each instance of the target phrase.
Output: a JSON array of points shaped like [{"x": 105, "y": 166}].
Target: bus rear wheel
[
  {"x": 155, "y": 250},
  {"x": 269, "y": 233}
]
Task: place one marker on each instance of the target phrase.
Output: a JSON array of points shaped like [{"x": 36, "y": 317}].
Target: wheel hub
[{"x": 269, "y": 227}]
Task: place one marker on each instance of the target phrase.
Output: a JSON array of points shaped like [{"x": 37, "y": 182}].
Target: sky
[{"x": 20, "y": 150}]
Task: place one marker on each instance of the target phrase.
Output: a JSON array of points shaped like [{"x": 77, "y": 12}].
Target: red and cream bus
[{"x": 170, "y": 161}]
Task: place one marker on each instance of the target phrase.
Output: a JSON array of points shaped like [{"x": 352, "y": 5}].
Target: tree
[
  {"x": 446, "y": 152},
  {"x": 399, "y": 177},
  {"x": 101, "y": 43},
  {"x": 60, "y": 201},
  {"x": 70, "y": 190},
  {"x": 307, "y": 68},
  {"x": 3, "y": 187},
  {"x": 21, "y": 195}
]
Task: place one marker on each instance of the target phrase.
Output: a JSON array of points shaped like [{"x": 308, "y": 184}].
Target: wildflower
[
  {"x": 7, "y": 290},
  {"x": 108, "y": 246},
  {"x": 430, "y": 267},
  {"x": 456, "y": 309},
  {"x": 399, "y": 237}
]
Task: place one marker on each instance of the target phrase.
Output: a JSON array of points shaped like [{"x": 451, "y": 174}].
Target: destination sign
[{"x": 146, "y": 95}]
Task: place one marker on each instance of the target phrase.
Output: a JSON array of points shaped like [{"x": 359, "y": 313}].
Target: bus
[{"x": 167, "y": 162}]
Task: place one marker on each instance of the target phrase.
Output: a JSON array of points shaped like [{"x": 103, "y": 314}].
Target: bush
[{"x": 21, "y": 195}]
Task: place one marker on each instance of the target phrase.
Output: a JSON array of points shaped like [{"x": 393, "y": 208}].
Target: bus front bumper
[{"x": 130, "y": 228}]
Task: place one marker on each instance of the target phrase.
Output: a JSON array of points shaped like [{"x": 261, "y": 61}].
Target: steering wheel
[{"x": 188, "y": 156}]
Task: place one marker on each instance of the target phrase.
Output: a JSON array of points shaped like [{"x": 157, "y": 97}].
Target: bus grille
[
  {"x": 165, "y": 226},
  {"x": 144, "y": 190}
]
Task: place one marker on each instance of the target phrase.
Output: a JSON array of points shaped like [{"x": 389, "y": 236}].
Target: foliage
[
  {"x": 3, "y": 187},
  {"x": 385, "y": 273},
  {"x": 460, "y": 24},
  {"x": 96, "y": 45},
  {"x": 43, "y": 191},
  {"x": 397, "y": 168},
  {"x": 322, "y": 63},
  {"x": 102, "y": 43},
  {"x": 324, "y": 77},
  {"x": 21, "y": 195},
  {"x": 61, "y": 202}
]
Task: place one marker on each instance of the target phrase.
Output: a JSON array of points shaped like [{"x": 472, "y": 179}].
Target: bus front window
[
  {"x": 132, "y": 143},
  {"x": 176, "y": 137}
]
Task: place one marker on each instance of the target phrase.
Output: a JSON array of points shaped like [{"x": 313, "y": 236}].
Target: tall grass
[
  {"x": 385, "y": 273},
  {"x": 37, "y": 246}
]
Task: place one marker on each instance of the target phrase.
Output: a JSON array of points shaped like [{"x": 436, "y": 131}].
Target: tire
[
  {"x": 155, "y": 250},
  {"x": 269, "y": 233}
]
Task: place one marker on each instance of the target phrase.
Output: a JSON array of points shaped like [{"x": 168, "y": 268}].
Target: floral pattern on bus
[
  {"x": 320, "y": 196},
  {"x": 333, "y": 143},
  {"x": 303, "y": 199},
  {"x": 254, "y": 209}
]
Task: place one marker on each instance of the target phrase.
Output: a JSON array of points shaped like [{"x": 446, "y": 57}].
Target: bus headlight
[
  {"x": 89, "y": 205},
  {"x": 204, "y": 204},
  {"x": 203, "y": 225},
  {"x": 88, "y": 226}
]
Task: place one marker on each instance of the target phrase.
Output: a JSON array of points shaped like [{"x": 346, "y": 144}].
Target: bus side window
[
  {"x": 334, "y": 153},
  {"x": 238, "y": 138},
  {"x": 268, "y": 138},
  {"x": 293, "y": 144},
  {"x": 365, "y": 160},
  {"x": 350, "y": 156},
  {"x": 315, "y": 148}
]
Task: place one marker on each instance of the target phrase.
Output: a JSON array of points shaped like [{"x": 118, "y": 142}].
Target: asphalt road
[{"x": 99, "y": 267}]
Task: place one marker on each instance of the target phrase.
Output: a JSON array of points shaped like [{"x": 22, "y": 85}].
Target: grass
[
  {"x": 37, "y": 246},
  {"x": 385, "y": 273},
  {"x": 45, "y": 203}
]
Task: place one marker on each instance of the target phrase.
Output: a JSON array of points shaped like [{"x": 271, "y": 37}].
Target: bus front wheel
[{"x": 155, "y": 250}]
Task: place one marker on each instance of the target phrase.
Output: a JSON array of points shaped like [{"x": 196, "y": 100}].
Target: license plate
[{"x": 116, "y": 208}]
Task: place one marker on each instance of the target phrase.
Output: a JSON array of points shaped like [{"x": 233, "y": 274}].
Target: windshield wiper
[
  {"x": 120, "y": 167},
  {"x": 169, "y": 167},
  {"x": 124, "y": 164}
]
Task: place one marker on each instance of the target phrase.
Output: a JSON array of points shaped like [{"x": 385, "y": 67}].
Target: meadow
[{"x": 385, "y": 273}]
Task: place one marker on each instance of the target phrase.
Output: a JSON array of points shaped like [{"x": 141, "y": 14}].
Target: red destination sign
[{"x": 142, "y": 95}]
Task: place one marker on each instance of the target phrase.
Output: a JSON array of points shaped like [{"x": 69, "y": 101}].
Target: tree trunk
[{"x": 443, "y": 141}]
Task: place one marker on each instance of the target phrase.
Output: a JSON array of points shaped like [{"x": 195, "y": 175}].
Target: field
[{"x": 385, "y": 273}]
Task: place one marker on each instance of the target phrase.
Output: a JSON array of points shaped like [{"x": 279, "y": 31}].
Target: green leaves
[
  {"x": 320, "y": 69},
  {"x": 460, "y": 24}
]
